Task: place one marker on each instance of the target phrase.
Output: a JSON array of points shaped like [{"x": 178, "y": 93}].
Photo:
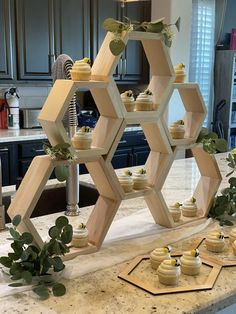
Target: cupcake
[
  {"x": 189, "y": 207},
  {"x": 80, "y": 236},
  {"x": 215, "y": 242},
  {"x": 81, "y": 70},
  {"x": 126, "y": 181},
  {"x": 83, "y": 138},
  {"x": 177, "y": 130},
  {"x": 169, "y": 271},
  {"x": 144, "y": 101},
  {"x": 179, "y": 73},
  {"x": 158, "y": 255},
  {"x": 175, "y": 211},
  {"x": 190, "y": 263},
  {"x": 234, "y": 247},
  {"x": 140, "y": 179},
  {"x": 232, "y": 236},
  {"x": 128, "y": 100}
]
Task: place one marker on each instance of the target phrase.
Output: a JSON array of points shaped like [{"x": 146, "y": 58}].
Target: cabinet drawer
[
  {"x": 28, "y": 150},
  {"x": 4, "y": 156},
  {"x": 132, "y": 139}
]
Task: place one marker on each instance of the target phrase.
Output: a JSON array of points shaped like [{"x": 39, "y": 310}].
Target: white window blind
[{"x": 202, "y": 50}]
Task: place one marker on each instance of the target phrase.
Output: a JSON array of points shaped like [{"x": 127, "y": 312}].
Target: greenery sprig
[
  {"x": 59, "y": 152},
  {"x": 211, "y": 143},
  {"x": 117, "y": 45},
  {"x": 28, "y": 264}
]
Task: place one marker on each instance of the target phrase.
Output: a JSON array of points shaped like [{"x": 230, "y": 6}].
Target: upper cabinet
[
  {"x": 133, "y": 65},
  {"x": 7, "y": 40},
  {"x": 47, "y": 28}
]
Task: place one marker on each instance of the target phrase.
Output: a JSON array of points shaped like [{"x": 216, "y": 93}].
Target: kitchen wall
[{"x": 180, "y": 49}]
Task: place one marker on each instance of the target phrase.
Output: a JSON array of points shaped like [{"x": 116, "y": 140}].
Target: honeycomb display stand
[{"x": 106, "y": 135}]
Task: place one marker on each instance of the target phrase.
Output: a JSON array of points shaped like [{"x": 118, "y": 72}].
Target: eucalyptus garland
[{"x": 117, "y": 45}]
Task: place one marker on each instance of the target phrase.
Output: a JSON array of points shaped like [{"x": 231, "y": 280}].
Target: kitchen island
[{"x": 91, "y": 281}]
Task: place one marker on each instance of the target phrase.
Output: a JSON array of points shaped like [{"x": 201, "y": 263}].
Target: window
[{"x": 202, "y": 50}]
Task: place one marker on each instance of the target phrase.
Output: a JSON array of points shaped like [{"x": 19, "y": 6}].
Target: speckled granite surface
[{"x": 102, "y": 292}]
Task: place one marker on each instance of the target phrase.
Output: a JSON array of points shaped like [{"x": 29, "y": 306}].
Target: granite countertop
[
  {"x": 35, "y": 134},
  {"x": 102, "y": 292}
]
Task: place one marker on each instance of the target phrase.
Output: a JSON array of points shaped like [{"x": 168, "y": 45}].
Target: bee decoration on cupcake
[
  {"x": 220, "y": 235},
  {"x": 175, "y": 262},
  {"x": 195, "y": 253},
  {"x": 180, "y": 122},
  {"x": 86, "y": 60},
  {"x": 129, "y": 93},
  {"x": 128, "y": 173},
  {"x": 142, "y": 171},
  {"x": 85, "y": 129},
  {"x": 177, "y": 205},
  {"x": 167, "y": 249},
  {"x": 148, "y": 92},
  {"x": 193, "y": 199},
  {"x": 81, "y": 226}
]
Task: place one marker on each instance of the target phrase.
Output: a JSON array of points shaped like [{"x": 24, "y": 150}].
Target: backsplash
[{"x": 30, "y": 96}]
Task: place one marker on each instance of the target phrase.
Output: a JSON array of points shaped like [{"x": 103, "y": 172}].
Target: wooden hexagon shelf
[
  {"x": 106, "y": 135},
  {"x": 140, "y": 274},
  {"x": 195, "y": 113}
]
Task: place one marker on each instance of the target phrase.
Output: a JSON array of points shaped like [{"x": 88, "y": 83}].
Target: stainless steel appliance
[{"x": 29, "y": 118}]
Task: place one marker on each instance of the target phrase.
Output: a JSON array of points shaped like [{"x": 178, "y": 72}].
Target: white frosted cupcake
[
  {"x": 175, "y": 211},
  {"x": 81, "y": 70},
  {"x": 83, "y": 138},
  {"x": 177, "y": 129},
  {"x": 189, "y": 207},
  {"x": 128, "y": 100},
  {"x": 232, "y": 235},
  {"x": 158, "y": 255},
  {"x": 215, "y": 242},
  {"x": 80, "y": 236},
  {"x": 140, "y": 179},
  {"x": 126, "y": 181},
  {"x": 169, "y": 271},
  {"x": 179, "y": 73},
  {"x": 144, "y": 101},
  {"x": 190, "y": 262}
]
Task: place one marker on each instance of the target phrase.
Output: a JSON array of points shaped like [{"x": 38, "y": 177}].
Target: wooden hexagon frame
[
  {"x": 127, "y": 275},
  {"x": 110, "y": 126},
  {"x": 195, "y": 113}
]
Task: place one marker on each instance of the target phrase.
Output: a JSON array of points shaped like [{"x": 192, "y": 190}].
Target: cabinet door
[
  {"x": 72, "y": 28},
  {"x": 7, "y": 40},
  {"x": 34, "y": 39},
  {"x": 102, "y": 9},
  {"x": 122, "y": 158},
  {"x": 134, "y": 62},
  {"x": 140, "y": 155},
  {"x": 4, "y": 155}
]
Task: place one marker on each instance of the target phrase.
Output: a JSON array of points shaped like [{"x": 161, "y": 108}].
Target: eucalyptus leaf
[
  {"x": 221, "y": 145},
  {"x": 111, "y": 25},
  {"x": 16, "y": 284},
  {"x": 54, "y": 232},
  {"x": 27, "y": 276},
  {"x": 58, "y": 289},
  {"x": 66, "y": 235},
  {"x": 61, "y": 172},
  {"x": 57, "y": 264},
  {"x": 27, "y": 237},
  {"x": 177, "y": 23},
  {"x": 61, "y": 222},
  {"x": 42, "y": 291},
  {"x": 6, "y": 261},
  {"x": 116, "y": 46},
  {"x": 15, "y": 235},
  {"x": 16, "y": 220}
]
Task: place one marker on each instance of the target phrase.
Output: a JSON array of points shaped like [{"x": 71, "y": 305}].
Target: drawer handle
[
  {"x": 123, "y": 142},
  {"x": 5, "y": 149}
]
